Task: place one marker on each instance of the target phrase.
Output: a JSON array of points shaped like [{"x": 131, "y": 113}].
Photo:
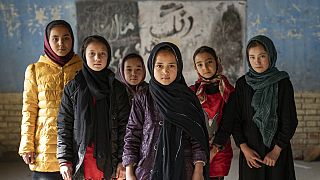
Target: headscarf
[
  {"x": 182, "y": 113},
  {"x": 61, "y": 60},
  {"x": 217, "y": 80},
  {"x": 265, "y": 97},
  {"x": 94, "y": 107},
  {"x": 132, "y": 89},
  {"x": 218, "y": 83}
]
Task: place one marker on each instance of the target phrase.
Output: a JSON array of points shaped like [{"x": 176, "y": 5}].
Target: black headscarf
[
  {"x": 94, "y": 107},
  {"x": 182, "y": 113}
]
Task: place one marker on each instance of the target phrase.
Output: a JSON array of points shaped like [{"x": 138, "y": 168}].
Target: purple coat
[{"x": 141, "y": 137}]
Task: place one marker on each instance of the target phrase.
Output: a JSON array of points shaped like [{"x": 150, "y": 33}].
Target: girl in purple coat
[{"x": 166, "y": 136}]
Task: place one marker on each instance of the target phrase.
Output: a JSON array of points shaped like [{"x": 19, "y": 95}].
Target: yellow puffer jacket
[{"x": 43, "y": 88}]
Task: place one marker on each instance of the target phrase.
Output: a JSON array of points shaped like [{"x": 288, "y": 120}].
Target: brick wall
[
  {"x": 10, "y": 120},
  {"x": 307, "y": 133}
]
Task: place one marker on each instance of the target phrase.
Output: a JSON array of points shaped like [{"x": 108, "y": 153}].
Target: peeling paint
[
  {"x": 296, "y": 7},
  {"x": 55, "y": 12},
  {"x": 317, "y": 35},
  {"x": 294, "y": 34},
  {"x": 10, "y": 17}
]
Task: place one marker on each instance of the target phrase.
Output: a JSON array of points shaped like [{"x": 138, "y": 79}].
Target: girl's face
[
  {"x": 60, "y": 40},
  {"x": 133, "y": 71},
  {"x": 97, "y": 55},
  {"x": 165, "y": 68},
  {"x": 258, "y": 59},
  {"x": 205, "y": 64}
]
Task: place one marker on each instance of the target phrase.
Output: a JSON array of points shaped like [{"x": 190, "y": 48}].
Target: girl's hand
[
  {"x": 271, "y": 158},
  {"x": 121, "y": 172},
  {"x": 214, "y": 150},
  {"x": 29, "y": 158},
  {"x": 130, "y": 173},
  {"x": 198, "y": 171},
  {"x": 251, "y": 156},
  {"x": 66, "y": 171}
]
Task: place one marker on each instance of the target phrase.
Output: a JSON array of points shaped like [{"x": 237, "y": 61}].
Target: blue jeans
[{"x": 46, "y": 175}]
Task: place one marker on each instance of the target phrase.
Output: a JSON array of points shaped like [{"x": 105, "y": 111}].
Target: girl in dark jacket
[
  {"x": 166, "y": 136},
  {"x": 132, "y": 72},
  {"x": 92, "y": 118},
  {"x": 213, "y": 90},
  {"x": 265, "y": 116}
]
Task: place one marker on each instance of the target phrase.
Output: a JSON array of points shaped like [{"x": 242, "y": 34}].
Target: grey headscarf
[{"x": 265, "y": 85}]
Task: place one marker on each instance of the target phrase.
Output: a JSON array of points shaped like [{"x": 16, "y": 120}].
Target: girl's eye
[
  {"x": 66, "y": 38},
  {"x": 103, "y": 53},
  {"x": 158, "y": 66},
  {"x": 55, "y": 39},
  {"x": 91, "y": 54},
  {"x": 199, "y": 65},
  {"x": 172, "y": 66}
]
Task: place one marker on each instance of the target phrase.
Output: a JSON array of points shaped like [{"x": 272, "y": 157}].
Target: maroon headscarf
[{"x": 61, "y": 60}]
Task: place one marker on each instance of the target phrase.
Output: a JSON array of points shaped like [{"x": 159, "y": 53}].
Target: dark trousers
[
  {"x": 217, "y": 178},
  {"x": 46, "y": 175}
]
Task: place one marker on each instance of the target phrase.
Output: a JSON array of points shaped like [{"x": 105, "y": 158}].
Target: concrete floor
[{"x": 15, "y": 169}]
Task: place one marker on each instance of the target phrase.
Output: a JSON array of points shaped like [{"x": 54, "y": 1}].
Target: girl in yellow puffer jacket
[{"x": 43, "y": 86}]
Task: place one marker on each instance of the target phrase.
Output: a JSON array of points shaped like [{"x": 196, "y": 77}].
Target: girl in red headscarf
[{"x": 213, "y": 91}]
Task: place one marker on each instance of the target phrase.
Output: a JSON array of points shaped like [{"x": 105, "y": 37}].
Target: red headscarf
[{"x": 61, "y": 60}]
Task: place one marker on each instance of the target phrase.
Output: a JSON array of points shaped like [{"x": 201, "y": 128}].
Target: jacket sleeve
[
  {"x": 29, "y": 111},
  {"x": 227, "y": 122},
  {"x": 287, "y": 114},
  {"x": 123, "y": 115},
  {"x": 198, "y": 153},
  {"x": 65, "y": 128},
  {"x": 237, "y": 132},
  {"x": 132, "y": 139}
]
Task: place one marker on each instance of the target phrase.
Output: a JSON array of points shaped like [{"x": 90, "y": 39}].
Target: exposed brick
[
  {"x": 300, "y": 135},
  {"x": 301, "y": 112},
  {"x": 311, "y": 129},
  {"x": 312, "y": 141},
  {"x": 298, "y": 141},
  {"x": 318, "y": 100},
  {"x": 3, "y": 124},
  {"x": 2, "y": 137},
  {"x": 299, "y": 129},
  {"x": 297, "y": 95},
  {"x": 311, "y": 106},
  {"x": 312, "y": 118},
  {"x": 312, "y": 123},
  {"x": 14, "y": 119},
  {"x": 298, "y": 105},
  {"x": 14, "y": 113},
  {"x": 12, "y": 107},
  {"x": 299, "y": 100},
  {"x": 3, "y": 113},
  {"x": 301, "y": 124},
  {"x": 309, "y": 100},
  {"x": 1, "y": 107},
  {"x": 310, "y": 94},
  {"x": 313, "y": 135},
  {"x": 300, "y": 118},
  {"x": 13, "y": 136},
  {"x": 311, "y": 112}
]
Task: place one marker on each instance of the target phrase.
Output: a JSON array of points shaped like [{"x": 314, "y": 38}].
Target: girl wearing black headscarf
[
  {"x": 265, "y": 116},
  {"x": 92, "y": 118},
  {"x": 166, "y": 136}
]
